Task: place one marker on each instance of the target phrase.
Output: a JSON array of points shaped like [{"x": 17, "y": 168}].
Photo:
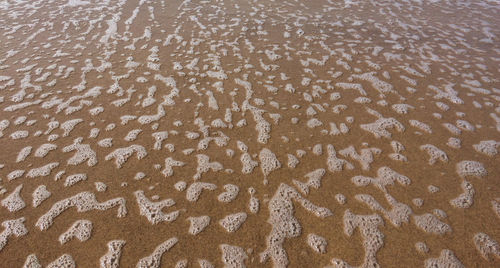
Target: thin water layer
[{"x": 249, "y": 133}]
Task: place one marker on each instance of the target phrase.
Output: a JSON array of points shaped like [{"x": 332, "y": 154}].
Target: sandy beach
[{"x": 141, "y": 133}]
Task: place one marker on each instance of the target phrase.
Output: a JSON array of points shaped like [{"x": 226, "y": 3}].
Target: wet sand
[{"x": 249, "y": 133}]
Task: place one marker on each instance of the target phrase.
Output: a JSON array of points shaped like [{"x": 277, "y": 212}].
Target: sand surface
[{"x": 249, "y": 133}]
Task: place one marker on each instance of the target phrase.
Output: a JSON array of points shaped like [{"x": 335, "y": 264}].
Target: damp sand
[{"x": 249, "y": 134}]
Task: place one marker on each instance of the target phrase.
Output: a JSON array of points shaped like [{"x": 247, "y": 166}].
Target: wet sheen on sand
[{"x": 249, "y": 133}]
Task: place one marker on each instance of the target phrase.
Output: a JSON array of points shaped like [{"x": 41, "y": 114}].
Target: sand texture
[{"x": 261, "y": 133}]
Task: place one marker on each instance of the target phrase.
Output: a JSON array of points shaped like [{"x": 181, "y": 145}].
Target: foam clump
[
  {"x": 486, "y": 246},
  {"x": 431, "y": 224},
  {"x": 420, "y": 125},
  {"x": 380, "y": 126},
  {"x": 365, "y": 158},
  {"x": 402, "y": 108},
  {"x": 12, "y": 228},
  {"x": 433, "y": 189},
  {"x": 25, "y": 152},
  {"x": 262, "y": 126},
  {"x": 20, "y": 134},
  {"x": 434, "y": 153},
  {"x": 64, "y": 261},
  {"x": 39, "y": 195},
  {"x": 139, "y": 176},
  {"x": 439, "y": 213},
  {"x": 400, "y": 212},
  {"x": 198, "y": 224},
  {"x": 471, "y": 168},
  {"x": 4, "y": 124},
  {"x": 313, "y": 123},
  {"x": 94, "y": 133},
  {"x": 317, "y": 243},
  {"x": 449, "y": 93},
  {"x": 205, "y": 264},
  {"x": 218, "y": 123},
  {"x": 418, "y": 202},
  {"x": 373, "y": 238},
  {"x": 84, "y": 201},
  {"x": 353, "y": 86},
  {"x": 397, "y": 147},
  {"x": 192, "y": 135},
  {"x": 284, "y": 224},
  {"x": 317, "y": 149},
  {"x": 169, "y": 164},
  {"x": 268, "y": 161},
  {"x": 233, "y": 222},
  {"x": 154, "y": 260},
  {"x": 495, "y": 204},
  {"x": 112, "y": 258},
  {"x": 75, "y": 178},
  {"x": 180, "y": 186},
  {"x": 95, "y": 111},
  {"x": 106, "y": 143},
  {"x": 44, "y": 149},
  {"x": 194, "y": 190},
  {"x": 15, "y": 174},
  {"x": 153, "y": 210},
  {"x": 204, "y": 165},
  {"x": 464, "y": 125},
  {"x": 170, "y": 147},
  {"x": 314, "y": 181},
  {"x": 292, "y": 161},
  {"x": 421, "y": 247},
  {"x": 381, "y": 86},
  {"x": 13, "y": 202},
  {"x": 334, "y": 163},
  {"x": 83, "y": 153},
  {"x": 100, "y": 186},
  {"x": 74, "y": 3},
  {"x": 446, "y": 259},
  {"x": 489, "y": 147},
  {"x": 159, "y": 138},
  {"x": 465, "y": 199},
  {"x": 362, "y": 100},
  {"x": 233, "y": 256},
  {"x": 452, "y": 129},
  {"x": 341, "y": 199},
  {"x": 69, "y": 125},
  {"x": 385, "y": 176},
  {"x": 53, "y": 137},
  {"x": 253, "y": 203},
  {"x": 42, "y": 171},
  {"x": 121, "y": 155},
  {"x": 248, "y": 164},
  {"x": 132, "y": 135},
  {"x": 32, "y": 262},
  {"x": 455, "y": 143},
  {"x": 81, "y": 229},
  {"x": 337, "y": 130},
  {"x": 230, "y": 194}
]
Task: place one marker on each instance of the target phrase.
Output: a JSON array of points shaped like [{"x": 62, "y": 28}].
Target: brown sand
[{"x": 320, "y": 45}]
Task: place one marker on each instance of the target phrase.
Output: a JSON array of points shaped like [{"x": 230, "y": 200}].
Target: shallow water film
[{"x": 290, "y": 133}]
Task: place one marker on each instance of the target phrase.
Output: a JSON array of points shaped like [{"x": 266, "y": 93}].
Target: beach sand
[{"x": 249, "y": 133}]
